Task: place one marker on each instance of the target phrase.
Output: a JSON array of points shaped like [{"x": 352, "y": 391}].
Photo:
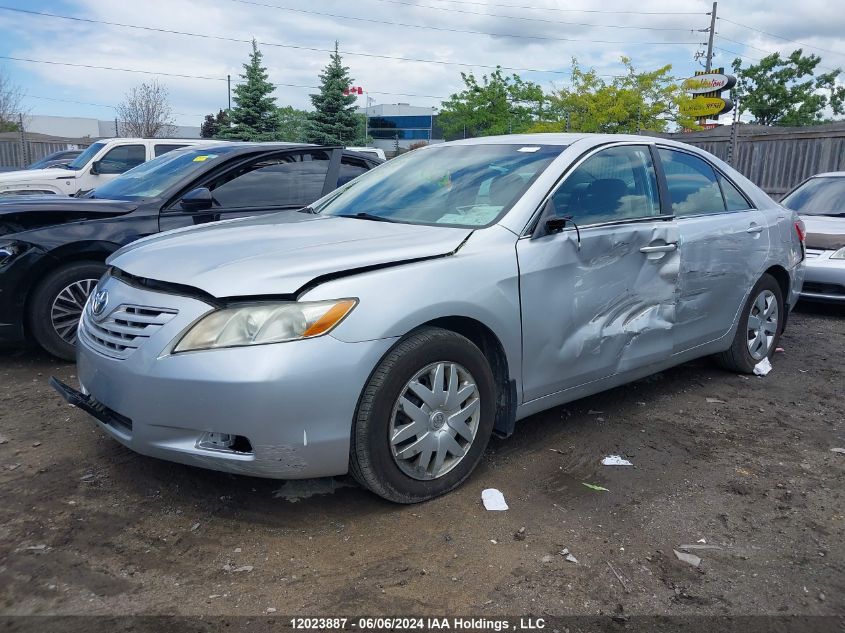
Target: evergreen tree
[
  {"x": 334, "y": 121},
  {"x": 254, "y": 116},
  {"x": 209, "y": 128}
]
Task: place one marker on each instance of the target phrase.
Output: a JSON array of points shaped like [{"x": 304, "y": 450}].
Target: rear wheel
[
  {"x": 759, "y": 328},
  {"x": 425, "y": 417},
  {"x": 56, "y": 306}
]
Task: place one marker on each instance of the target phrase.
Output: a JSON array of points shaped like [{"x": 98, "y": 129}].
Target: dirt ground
[{"x": 86, "y": 526}]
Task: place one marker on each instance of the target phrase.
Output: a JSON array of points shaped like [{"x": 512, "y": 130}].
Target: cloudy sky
[{"x": 399, "y": 50}]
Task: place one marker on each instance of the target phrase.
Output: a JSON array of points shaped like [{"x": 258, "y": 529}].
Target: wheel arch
[
  {"x": 784, "y": 282},
  {"x": 96, "y": 252},
  {"x": 490, "y": 345}
]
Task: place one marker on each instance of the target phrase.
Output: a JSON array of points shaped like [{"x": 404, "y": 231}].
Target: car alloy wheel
[
  {"x": 435, "y": 420},
  {"x": 762, "y": 324},
  {"x": 67, "y": 308}
]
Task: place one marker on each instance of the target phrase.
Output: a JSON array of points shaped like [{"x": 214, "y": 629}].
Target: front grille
[{"x": 124, "y": 329}]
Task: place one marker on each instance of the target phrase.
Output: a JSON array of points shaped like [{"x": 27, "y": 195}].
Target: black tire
[
  {"x": 738, "y": 358},
  {"x": 41, "y": 303},
  {"x": 371, "y": 461}
]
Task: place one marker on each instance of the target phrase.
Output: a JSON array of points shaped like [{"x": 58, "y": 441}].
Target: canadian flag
[{"x": 353, "y": 90}]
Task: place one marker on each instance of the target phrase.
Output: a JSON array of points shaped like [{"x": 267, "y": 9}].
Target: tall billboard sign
[{"x": 706, "y": 89}]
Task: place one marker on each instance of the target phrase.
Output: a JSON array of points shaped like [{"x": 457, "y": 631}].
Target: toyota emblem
[{"x": 98, "y": 304}]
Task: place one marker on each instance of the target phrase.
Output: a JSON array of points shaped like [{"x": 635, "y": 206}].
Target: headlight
[
  {"x": 8, "y": 250},
  {"x": 840, "y": 254},
  {"x": 262, "y": 323}
]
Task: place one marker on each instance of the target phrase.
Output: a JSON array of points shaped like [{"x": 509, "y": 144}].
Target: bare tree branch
[
  {"x": 10, "y": 103},
  {"x": 146, "y": 113}
]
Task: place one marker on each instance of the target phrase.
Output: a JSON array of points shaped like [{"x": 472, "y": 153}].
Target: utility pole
[
  {"x": 709, "y": 65},
  {"x": 24, "y": 160},
  {"x": 229, "y": 86}
]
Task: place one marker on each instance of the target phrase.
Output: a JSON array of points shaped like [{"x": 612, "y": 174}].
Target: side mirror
[
  {"x": 95, "y": 167},
  {"x": 199, "y": 199},
  {"x": 554, "y": 223}
]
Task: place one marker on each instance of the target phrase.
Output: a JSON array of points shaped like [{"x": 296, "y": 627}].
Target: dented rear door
[{"x": 605, "y": 304}]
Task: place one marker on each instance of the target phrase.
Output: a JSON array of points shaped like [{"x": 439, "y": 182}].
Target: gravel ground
[{"x": 743, "y": 463}]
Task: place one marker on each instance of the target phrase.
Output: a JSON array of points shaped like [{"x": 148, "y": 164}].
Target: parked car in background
[
  {"x": 389, "y": 328},
  {"x": 820, "y": 201},
  {"x": 101, "y": 162},
  {"x": 56, "y": 159},
  {"x": 53, "y": 249},
  {"x": 370, "y": 151}
]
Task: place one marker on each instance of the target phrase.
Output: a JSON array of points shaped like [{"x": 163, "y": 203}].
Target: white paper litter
[
  {"x": 615, "y": 460},
  {"x": 493, "y": 499},
  {"x": 841, "y": 451},
  {"x": 763, "y": 367},
  {"x": 715, "y": 401},
  {"x": 691, "y": 559}
]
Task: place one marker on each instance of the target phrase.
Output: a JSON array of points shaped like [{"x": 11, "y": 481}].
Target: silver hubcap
[
  {"x": 67, "y": 308},
  {"x": 434, "y": 421},
  {"x": 762, "y": 324}
]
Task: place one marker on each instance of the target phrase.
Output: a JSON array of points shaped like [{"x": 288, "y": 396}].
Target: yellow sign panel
[{"x": 705, "y": 106}]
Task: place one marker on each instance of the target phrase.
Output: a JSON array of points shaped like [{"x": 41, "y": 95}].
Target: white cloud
[{"x": 815, "y": 22}]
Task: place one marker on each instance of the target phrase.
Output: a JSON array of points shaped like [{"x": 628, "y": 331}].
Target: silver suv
[{"x": 393, "y": 326}]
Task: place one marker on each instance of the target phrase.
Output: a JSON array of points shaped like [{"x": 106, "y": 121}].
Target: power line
[
  {"x": 780, "y": 37},
  {"x": 768, "y": 52},
  {"x": 165, "y": 74},
  {"x": 99, "y": 105},
  {"x": 278, "y": 45},
  {"x": 534, "y": 8},
  {"x": 453, "y": 30},
  {"x": 125, "y": 70}
]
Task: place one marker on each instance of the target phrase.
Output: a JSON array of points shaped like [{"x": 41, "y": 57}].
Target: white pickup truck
[{"x": 100, "y": 162}]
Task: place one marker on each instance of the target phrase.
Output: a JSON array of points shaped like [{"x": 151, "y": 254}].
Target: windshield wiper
[
  {"x": 366, "y": 216},
  {"x": 306, "y": 210}
]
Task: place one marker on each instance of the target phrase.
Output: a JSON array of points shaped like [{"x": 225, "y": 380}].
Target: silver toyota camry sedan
[{"x": 390, "y": 328}]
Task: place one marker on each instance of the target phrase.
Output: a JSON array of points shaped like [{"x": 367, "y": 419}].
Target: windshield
[
  {"x": 150, "y": 179},
  {"x": 818, "y": 196},
  {"x": 80, "y": 161},
  {"x": 467, "y": 186}
]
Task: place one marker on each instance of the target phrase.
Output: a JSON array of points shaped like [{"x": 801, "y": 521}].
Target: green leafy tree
[
  {"x": 497, "y": 104},
  {"x": 627, "y": 104},
  {"x": 787, "y": 91},
  {"x": 254, "y": 116},
  {"x": 293, "y": 125},
  {"x": 334, "y": 120}
]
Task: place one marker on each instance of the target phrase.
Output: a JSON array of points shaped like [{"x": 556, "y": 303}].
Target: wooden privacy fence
[{"x": 774, "y": 158}]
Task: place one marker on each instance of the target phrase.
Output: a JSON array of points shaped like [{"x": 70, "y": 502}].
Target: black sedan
[
  {"x": 56, "y": 159},
  {"x": 53, "y": 249}
]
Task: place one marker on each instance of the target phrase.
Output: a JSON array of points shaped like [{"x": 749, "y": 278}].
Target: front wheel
[
  {"x": 760, "y": 326},
  {"x": 56, "y": 306},
  {"x": 425, "y": 417}
]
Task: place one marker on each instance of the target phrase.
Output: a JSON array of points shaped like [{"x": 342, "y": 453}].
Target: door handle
[
  {"x": 663, "y": 248},
  {"x": 754, "y": 229}
]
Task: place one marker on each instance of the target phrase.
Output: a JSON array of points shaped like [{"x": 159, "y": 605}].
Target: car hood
[
  {"x": 279, "y": 254},
  {"x": 824, "y": 232},
  {"x": 25, "y": 175},
  {"x": 24, "y": 213}
]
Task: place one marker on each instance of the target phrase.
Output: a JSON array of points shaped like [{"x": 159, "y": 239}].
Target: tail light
[{"x": 801, "y": 230}]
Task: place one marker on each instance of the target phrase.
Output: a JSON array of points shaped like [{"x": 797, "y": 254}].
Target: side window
[
  {"x": 614, "y": 184},
  {"x": 733, "y": 198},
  {"x": 350, "y": 168},
  {"x": 289, "y": 179},
  {"x": 693, "y": 188},
  {"x": 158, "y": 150},
  {"x": 122, "y": 158}
]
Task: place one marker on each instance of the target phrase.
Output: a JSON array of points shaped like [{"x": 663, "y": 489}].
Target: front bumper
[
  {"x": 824, "y": 278},
  {"x": 293, "y": 402}
]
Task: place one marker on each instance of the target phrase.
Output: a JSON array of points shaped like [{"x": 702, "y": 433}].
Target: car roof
[
  {"x": 830, "y": 174},
  {"x": 568, "y": 138}
]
